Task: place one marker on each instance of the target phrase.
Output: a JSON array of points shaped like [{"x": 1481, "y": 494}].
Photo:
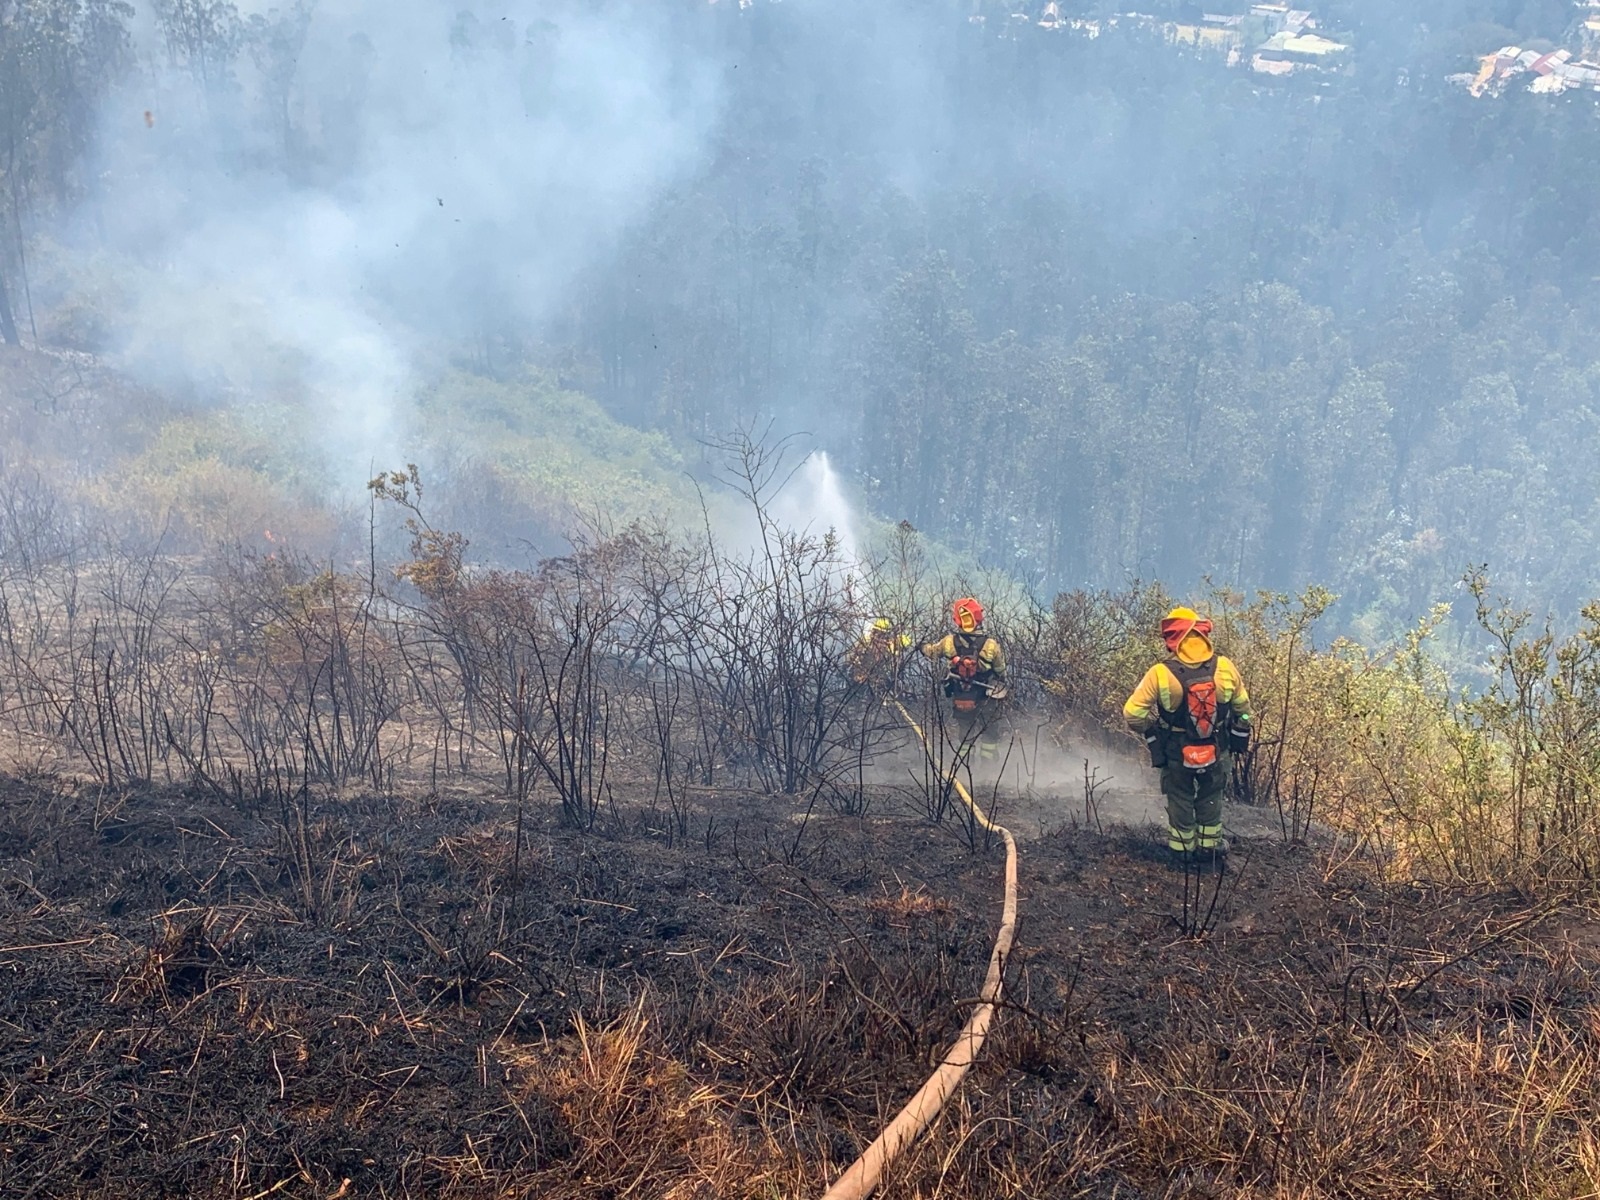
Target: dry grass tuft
[
  {"x": 1496, "y": 1110},
  {"x": 639, "y": 1124},
  {"x": 909, "y": 904},
  {"x": 177, "y": 966}
]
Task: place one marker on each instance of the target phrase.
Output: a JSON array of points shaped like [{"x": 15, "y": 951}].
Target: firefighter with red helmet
[
  {"x": 975, "y": 676},
  {"x": 1193, "y": 711}
]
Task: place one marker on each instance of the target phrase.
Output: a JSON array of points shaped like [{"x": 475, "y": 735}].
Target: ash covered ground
[{"x": 373, "y": 995}]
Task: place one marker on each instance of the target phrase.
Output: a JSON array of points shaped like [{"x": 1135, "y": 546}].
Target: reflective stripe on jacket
[
  {"x": 1159, "y": 691},
  {"x": 991, "y": 658}
]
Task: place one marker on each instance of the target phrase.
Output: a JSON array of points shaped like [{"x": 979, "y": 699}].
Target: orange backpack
[{"x": 1201, "y": 719}]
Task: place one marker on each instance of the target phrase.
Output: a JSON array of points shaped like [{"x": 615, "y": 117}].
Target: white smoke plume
[{"x": 455, "y": 168}]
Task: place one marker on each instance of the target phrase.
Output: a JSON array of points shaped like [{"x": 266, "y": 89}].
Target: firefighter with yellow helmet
[
  {"x": 975, "y": 676},
  {"x": 874, "y": 661},
  {"x": 1193, "y": 711}
]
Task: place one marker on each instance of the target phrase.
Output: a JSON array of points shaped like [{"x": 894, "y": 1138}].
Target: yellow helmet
[{"x": 881, "y": 631}]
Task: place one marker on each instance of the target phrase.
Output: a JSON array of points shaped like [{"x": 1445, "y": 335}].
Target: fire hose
[{"x": 866, "y": 1173}]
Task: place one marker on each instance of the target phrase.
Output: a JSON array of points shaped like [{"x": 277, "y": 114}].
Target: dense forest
[
  {"x": 1089, "y": 308},
  {"x": 1122, "y": 311}
]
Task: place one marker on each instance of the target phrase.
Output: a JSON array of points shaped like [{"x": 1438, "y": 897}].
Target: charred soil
[{"x": 387, "y": 996}]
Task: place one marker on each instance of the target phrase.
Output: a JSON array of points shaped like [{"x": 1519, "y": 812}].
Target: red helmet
[{"x": 970, "y": 609}]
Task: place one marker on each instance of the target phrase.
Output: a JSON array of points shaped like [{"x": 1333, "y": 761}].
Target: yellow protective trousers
[
  {"x": 978, "y": 732},
  {"x": 1194, "y": 804}
]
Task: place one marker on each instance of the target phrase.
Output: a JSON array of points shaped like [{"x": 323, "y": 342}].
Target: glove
[
  {"x": 1158, "y": 751},
  {"x": 1238, "y": 738}
]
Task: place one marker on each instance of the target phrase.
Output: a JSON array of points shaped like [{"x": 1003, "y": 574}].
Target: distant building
[
  {"x": 1275, "y": 15},
  {"x": 1581, "y": 74},
  {"x": 1219, "y": 37},
  {"x": 1545, "y": 74},
  {"x": 1313, "y": 47},
  {"x": 1271, "y": 66},
  {"x": 1548, "y": 64},
  {"x": 1292, "y": 41},
  {"x": 1298, "y": 49},
  {"x": 1493, "y": 71}
]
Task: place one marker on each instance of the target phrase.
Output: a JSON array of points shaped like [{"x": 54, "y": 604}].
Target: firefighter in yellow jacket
[
  {"x": 975, "y": 677},
  {"x": 1193, "y": 711},
  {"x": 874, "y": 661}
]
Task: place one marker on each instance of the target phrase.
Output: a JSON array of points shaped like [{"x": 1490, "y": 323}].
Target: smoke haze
[
  {"x": 1046, "y": 281},
  {"x": 454, "y": 168}
]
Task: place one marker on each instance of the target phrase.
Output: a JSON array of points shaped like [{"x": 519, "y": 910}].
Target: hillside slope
[{"x": 387, "y": 996}]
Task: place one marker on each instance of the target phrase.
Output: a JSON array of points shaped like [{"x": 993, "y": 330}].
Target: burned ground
[{"x": 384, "y": 996}]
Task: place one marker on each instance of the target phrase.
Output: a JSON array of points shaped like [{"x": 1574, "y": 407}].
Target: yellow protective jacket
[
  {"x": 991, "y": 658},
  {"x": 1160, "y": 692},
  {"x": 876, "y": 653}
]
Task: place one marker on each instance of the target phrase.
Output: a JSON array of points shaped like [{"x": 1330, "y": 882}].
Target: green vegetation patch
[{"x": 557, "y": 449}]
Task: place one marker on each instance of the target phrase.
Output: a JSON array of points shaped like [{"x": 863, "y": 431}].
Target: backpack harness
[
  {"x": 1201, "y": 721},
  {"x": 967, "y": 674}
]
